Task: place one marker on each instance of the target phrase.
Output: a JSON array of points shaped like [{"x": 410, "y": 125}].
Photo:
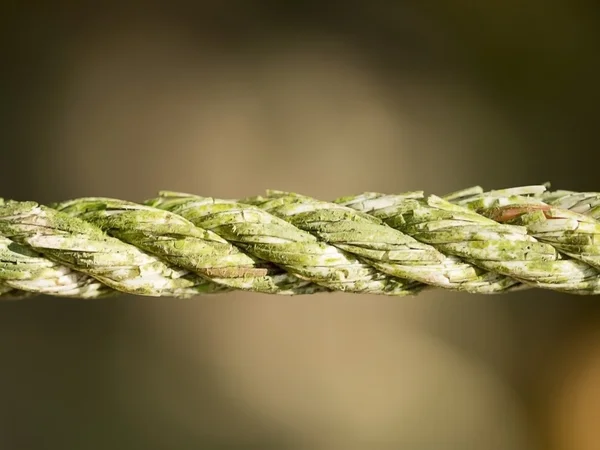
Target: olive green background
[{"x": 229, "y": 98}]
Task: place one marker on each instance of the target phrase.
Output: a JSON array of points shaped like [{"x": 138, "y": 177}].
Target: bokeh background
[{"x": 229, "y": 98}]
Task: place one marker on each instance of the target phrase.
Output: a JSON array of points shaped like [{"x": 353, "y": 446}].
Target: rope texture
[{"x": 182, "y": 245}]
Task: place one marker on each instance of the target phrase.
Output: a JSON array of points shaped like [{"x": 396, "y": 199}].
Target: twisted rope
[{"x": 183, "y": 245}]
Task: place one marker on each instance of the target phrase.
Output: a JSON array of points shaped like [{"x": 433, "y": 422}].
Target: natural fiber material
[{"x": 183, "y": 245}]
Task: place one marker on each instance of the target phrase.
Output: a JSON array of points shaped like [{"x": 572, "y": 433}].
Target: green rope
[{"x": 183, "y": 245}]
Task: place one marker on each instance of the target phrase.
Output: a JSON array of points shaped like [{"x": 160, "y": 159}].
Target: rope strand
[{"x": 181, "y": 245}]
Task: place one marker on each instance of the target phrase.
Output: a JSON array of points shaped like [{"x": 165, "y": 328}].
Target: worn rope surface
[{"x": 183, "y": 245}]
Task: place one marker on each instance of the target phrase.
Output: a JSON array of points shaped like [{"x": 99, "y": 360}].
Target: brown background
[{"x": 228, "y": 98}]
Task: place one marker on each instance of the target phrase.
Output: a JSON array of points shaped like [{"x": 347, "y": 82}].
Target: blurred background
[{"x": 229, "y": 98}]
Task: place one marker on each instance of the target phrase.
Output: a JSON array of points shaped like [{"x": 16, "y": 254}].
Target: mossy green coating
[
  {"x": 380, "y": 245},
  {"x": 456, "y": 229},
  {"x": 25, "y": 270},
  {"x": 272, "y": 239},
  {"x": 178, "y": 241},
  {"x": 567, "y": 232},
  {"x": 284, "y": 243},
  {"x": 84, "y": 247},
  {"x": 571, "y": 233}
]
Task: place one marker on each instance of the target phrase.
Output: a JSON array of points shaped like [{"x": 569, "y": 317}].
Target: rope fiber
[{"x": 181, "y": 245}]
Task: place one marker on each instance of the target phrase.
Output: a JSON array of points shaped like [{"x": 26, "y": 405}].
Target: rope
[{"x": 182, "y": 245}]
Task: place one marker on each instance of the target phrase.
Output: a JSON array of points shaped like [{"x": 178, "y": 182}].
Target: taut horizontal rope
[{"x": 183, "y": 245}]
